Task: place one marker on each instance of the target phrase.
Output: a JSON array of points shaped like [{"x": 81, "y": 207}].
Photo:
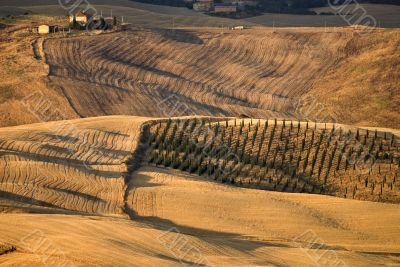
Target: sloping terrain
[
  {"x": 267, "y": 228},
  {"x": 181, "y": 219},
  {"x": 284, "y": 156},
  {"x": 71, "y": 166},
  {"x": 209, "y": 72},
  {"x": 363, "y": 88},
  {"x": 337, "y": 75},
  {"x": 88, "y": 206},
  {"x": 26, "y": 96}
]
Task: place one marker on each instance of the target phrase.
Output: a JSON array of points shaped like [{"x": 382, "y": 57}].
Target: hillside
[
  {"x": 335, "y": 75},
  {"x": 90, "y": 205},
  {"x": 283, "y": 156},
  {"x": 282, "y": 73},
  {"x": 26, "y": 96},
  {"x": 72, "y": 166},
  {"x": 177, "y": 140}
]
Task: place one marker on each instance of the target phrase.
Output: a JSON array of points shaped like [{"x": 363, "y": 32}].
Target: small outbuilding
[
  {"x": 238, "y": 28},
  {"x": 44, "y": 29}
]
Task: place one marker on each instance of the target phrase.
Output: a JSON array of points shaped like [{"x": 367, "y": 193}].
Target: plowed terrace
[
  {"x": 257, "y": 73},
  {"x": 74, "y": 166}
]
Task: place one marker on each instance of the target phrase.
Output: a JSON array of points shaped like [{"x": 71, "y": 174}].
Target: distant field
[
  {"x": 162, "y": 16},
  {"x": 385, "y": 15}
]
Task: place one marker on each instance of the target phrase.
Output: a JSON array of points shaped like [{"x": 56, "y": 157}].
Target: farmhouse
[
  {"x": 225, "y": 8},
  {"x": 81, "y": 17}
]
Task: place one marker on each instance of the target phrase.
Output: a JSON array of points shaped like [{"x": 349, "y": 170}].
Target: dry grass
[
  {"x": 76, "y": 176},
  {"x": 216, "y": 73},
  {"x": 23, "y": 75},
  {"x": 73, "y": 176},
  {"x": 349, "y": 76},
  {"x": 77, "y": 166},
  {"x": 362, "y": 89},
  {"x": 273, "y": 219}
]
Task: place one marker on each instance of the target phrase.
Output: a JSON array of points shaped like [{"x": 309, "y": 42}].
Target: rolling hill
[
  {"x": 221, "y": 73},
  {"x": 90, "y": 199},
  {"x": 342, "y": 75},
  {"x": 282, "y": 147}
]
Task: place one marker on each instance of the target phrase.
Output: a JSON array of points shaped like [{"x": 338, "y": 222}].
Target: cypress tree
[
  {"x": 275, "y": 156},
  {"x": 230, "y": 137},
  {"x": 298, "y": 128},
  {"x": 298, "y": 162},
  {"x": 305, "y": 164},
  {"x": 271, "y": 138},
  {"x": 322, "y": 163}
]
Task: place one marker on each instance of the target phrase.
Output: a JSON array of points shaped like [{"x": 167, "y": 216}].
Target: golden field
[
  {"x": 283, "y": 148},
  {"x": 88, "y": 209}
]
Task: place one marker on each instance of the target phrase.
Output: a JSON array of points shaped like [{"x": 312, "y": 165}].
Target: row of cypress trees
[{"x": 317, "y": 156}]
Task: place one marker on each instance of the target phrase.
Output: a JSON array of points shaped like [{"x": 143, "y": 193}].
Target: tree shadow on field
[
  {"x": 218, "y": 239},
  {"x": 29, "y": 204},
  {"x": 232, "y": 241},
  {"x": 85, "y": 167}
]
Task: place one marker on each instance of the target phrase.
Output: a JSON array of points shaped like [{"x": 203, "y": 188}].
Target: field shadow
[
  {"x": 79, "y": 165},
  {"x": 236, "y": 242},
  {"x": 33, "y": 205},
  {"x": 218, "y": 239}
]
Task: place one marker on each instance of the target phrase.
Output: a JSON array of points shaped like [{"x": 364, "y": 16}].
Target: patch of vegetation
[
  {"x": 4, "y": 249},
  {"x": 7, "y": 92},
  {"x": 9, "y": 19},
  {"x": 282, "y": 156}
]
